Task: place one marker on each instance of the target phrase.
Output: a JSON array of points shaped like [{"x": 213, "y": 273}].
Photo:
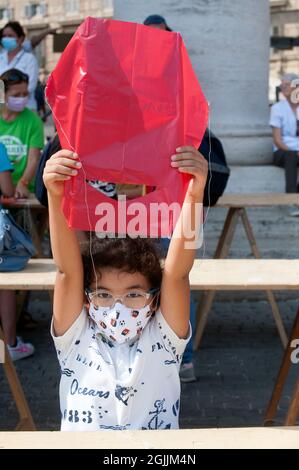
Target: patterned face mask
[{"x": 120, "y": 324}]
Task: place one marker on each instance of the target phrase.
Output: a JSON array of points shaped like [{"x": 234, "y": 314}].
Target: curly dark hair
[
  {"x": 16, "y": 27},
  {"x": 128, "y": 254}
]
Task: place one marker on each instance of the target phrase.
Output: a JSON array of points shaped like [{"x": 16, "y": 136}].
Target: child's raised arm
[
  {"x": 175, "y": 290},
  {"x": 69, "y": 293}
]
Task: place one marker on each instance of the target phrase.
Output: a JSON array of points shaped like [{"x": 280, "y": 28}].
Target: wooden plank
[
  {"x": 258, "y": 200},
  {"x": 39, "y": 274},
  {"x": 225, "y": 438},
  {"x": 31, "y": 203},
  {"x": 248, "y": 274},
  {"x": 208, "y": 274},
  {"x": 227, "y": 200}
]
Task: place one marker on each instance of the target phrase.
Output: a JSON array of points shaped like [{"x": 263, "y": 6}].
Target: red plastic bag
[{"x": 124, "y": 96}]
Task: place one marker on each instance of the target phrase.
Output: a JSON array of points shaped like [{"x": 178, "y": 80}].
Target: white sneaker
[
  {"x": 21, "y": 350},
  {"x": 294, "y": 214}
]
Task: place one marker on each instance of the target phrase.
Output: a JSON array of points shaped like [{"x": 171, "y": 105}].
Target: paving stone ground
[{"x": 239, "y": 355}]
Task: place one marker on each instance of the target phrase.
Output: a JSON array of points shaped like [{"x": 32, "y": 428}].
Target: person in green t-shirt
[{"x": 21, "y": 131}]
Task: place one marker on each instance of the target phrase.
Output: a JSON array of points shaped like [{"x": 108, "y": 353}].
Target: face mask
[
  {"x": 17, "y": 104},
  {"x": 120, "y": 324},
  {"x": 9, "y": 44}
]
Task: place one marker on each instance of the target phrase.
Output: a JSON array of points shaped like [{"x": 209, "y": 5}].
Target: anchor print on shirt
[
  {"x": 124, "y": 393},
  {"x": 156, "y": 422}
]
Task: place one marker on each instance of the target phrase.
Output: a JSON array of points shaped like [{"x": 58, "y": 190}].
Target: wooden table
[
  {"x": 237, "y": 205},
  {"x": 210, "y": 275},
  {"x": 227, "y": 438},
  {"x": 207, "y": 274},
  {"x": 37, "y": 275},
  {"x": 33, "y": 210}
]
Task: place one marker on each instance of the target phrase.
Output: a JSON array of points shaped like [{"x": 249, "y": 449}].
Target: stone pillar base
[{"x": 256, "y": 179}]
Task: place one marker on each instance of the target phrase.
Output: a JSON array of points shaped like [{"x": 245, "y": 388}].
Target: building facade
[
  {"x": 284, "y": 22},
  {"x": 228, "y": 43},
  {"x": 37, "y": 15}
]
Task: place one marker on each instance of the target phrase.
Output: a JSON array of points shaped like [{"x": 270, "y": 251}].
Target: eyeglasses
[{"x": 133, "y": 299}]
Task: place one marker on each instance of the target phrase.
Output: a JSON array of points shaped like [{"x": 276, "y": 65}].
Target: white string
[
  {"x": 85, "y": 198},
  {"x": 205, "y": 216}
]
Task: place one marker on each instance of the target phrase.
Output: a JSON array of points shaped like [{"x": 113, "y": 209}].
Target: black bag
[
  {"x": 50, "y": 148},
  {"x": 218, "y": 169}
]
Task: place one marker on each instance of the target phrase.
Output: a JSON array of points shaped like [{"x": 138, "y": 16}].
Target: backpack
[
  {"x": 16, "y": 247},
  {"x": 218, "y": 169}
]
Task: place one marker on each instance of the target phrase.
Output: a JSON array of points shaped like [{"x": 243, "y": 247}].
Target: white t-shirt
[
  {"x": 283, "y": 117},
  {"x": 127, "y": 386},
  {"x": 25, "y": 62}
]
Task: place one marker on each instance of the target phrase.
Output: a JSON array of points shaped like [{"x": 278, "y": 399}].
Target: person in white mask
[
  {"x": 121, "y": 324},
  {"x": 21, "y": 131},
  {"x": 13, "y": 55}
]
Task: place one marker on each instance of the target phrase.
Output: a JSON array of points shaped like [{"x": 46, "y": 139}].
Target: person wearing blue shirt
[
  {"x": 284, "y": 121},
  {"x": 6, "y": 186}
]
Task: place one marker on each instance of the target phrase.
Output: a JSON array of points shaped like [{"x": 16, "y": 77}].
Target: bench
[
  {"x": 206, "y": 275},
  {"x": 237, "y": 205}
]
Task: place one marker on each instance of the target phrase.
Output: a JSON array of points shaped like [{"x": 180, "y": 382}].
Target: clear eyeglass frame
[{"x": 134, "y": 299}]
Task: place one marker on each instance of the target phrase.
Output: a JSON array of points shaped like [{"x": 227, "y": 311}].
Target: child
[{"x": 120, "y": 323}]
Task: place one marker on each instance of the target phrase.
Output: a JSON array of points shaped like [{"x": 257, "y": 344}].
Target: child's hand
[
  {"x": 59, "y": 168},
  {"x": 191, "y": 161}
]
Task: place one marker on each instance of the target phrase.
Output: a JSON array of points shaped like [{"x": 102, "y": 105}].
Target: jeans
[
  {"x": 288, "y": 160},
  {"x": 188, "y": 354}
]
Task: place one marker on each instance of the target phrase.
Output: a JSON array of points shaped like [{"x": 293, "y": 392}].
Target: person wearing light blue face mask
[
  {"x": 9, "y": 44},
  {"x": 13, "y": 55}
]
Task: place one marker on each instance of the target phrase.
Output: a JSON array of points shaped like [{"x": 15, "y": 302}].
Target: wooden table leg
[
  {"x": 26, "y": 422},
  {"x": 270, "y": 295},
  {"x": 36, "y": 239},
  {"x": 293, "y": 411},
  {"x": 282, "y": 375},
  {"x": 43, "y": 226},
  {"x": 222, "y": 251}
]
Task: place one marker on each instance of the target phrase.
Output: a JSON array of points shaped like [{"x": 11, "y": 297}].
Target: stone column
[{"x": 228, "y": 42}]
